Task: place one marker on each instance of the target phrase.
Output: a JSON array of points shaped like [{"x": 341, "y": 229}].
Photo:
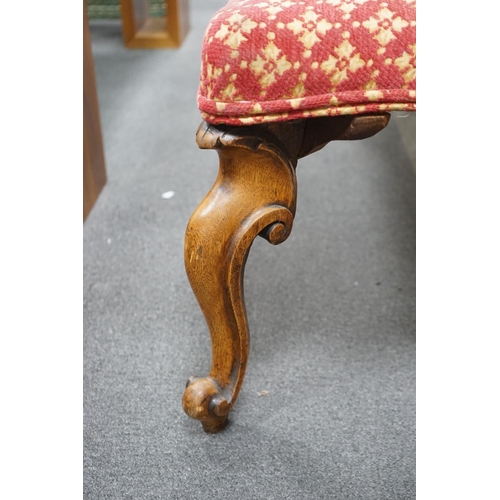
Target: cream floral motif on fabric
[{"x": 271, "y": 60}]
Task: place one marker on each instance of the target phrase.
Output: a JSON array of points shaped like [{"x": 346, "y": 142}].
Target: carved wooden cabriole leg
[{"x": 254, "y": 194}]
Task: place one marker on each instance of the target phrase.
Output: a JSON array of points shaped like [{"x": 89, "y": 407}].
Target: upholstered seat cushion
[{"x": 275, "y": 60}]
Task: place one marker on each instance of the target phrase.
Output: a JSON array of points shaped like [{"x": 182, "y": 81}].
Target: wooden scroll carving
[{"x": 254, "y": 194}]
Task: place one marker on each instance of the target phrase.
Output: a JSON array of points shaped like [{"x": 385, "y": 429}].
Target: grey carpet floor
[{"x": 331, "y": 310}]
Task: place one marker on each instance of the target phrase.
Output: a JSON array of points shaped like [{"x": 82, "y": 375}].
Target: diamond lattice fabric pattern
[{"x": 276, "y": 60}]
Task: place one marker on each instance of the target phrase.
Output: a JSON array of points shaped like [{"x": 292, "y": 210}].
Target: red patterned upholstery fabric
[{"x": 275, "y": 60}]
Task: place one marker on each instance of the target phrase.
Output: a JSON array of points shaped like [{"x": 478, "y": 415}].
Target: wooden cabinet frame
[
  {"x": 94, "y": 168},
  {"x": 143, "y": 32}
]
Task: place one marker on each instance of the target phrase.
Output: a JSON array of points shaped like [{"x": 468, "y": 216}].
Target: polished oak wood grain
[{"x": 254, "y": 195}]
